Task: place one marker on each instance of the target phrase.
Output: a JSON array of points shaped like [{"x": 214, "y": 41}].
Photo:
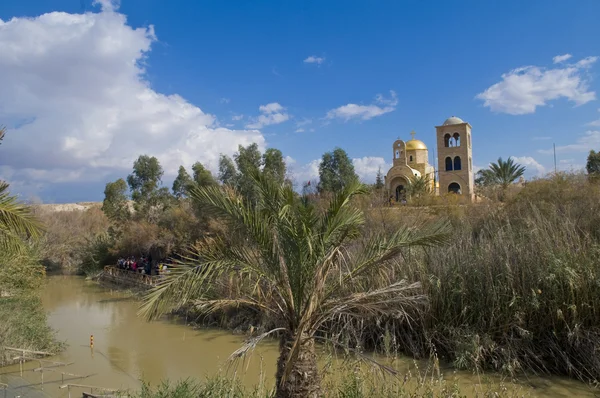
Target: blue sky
[{"x": 89, "y": 87}]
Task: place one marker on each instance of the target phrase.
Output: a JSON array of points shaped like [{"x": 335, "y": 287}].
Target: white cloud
[
  {"x": 584, "y": 143},
  {"x": 392, "y": 101},
  {"x": 224, "y": 100},
  {"x": 586, "y": 62},
  {"x": 561, "y": 58},
  {"x": 303, "y": 122},
  {"x": 523, "y": 89},
  {"x": 367, "y": 167},
  {"x": 108, "y": 5},
  {"x": 530, "y": 164},
  {"x": 595, "y": 123},
  {"x": 237, "y": 117},
  {"x": 300, "y": 131},
  {"x": 302, "y": 174},
  {"x": 314, "y": 60},
  {"x": 79, "y": 108},
  {"x": 365, "y": 112},
  {"x": 273, "y": 107},
  {"x": 272, "y": 113}
]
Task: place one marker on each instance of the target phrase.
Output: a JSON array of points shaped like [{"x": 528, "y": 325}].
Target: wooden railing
[{"x": 128, "y": 276}]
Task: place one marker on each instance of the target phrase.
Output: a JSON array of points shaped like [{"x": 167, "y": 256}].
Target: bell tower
[{"x": 455, "y": 154}]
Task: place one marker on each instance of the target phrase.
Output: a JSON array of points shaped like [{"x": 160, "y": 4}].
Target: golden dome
[{"x": 415, "y": 145}]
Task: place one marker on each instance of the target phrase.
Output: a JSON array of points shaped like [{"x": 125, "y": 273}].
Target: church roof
[
  {"x": 453, "y": 120},
  {"x": 413, "y": 144}
]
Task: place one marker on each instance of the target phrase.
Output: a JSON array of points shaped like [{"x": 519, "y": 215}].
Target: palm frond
[
  {"x": 17, "y": 217},
  {"x": 380, "y": 249},
  {"x": 16, "y": 222}
]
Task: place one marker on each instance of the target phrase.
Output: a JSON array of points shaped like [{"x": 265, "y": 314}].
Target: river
[{"x": 127, "y": 349}]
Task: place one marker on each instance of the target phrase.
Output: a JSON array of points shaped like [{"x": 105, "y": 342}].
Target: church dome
[
  {"x": 453, "y": 120},
  {"x": 413, "y": 144}
]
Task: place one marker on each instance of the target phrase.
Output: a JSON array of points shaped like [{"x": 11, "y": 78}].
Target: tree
[
  {"x": 115, "y": 201},
  {"x": 202, "y": 176},
  {"x": 379, "y": 180},
  {"x": 502, "y": 173},
  {"x": 485, "y": 178},
  {"x": 181, "y": 183},
  {"x": 418, "y": 186},
  {"x": 593, "y": 165},
  {"x": 227, "y": 172},
  {"x": 248, "y": 161},
  {"x": 299, "y": 265},
  {"x": 274, "y": 165},
  {"x": 144, "y": 184},
  {"x": 145, "y": 179},
  {"x": 336, "y": 171}
]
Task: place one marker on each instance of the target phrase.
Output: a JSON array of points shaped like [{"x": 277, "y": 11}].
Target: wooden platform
[{"x": 123, "y": 277}]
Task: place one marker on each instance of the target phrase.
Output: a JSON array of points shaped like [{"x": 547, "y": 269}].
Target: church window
[
  {"x": 447, "y": 139},
  {"x": 454, "y": 188},
  {"x": 457, "y": 165},
  {"x": 456, "y": 138},
  {"x": 411, "y": 158},
  {"x": 397, "y": 154},
  {"x": 448, "y": 164}
]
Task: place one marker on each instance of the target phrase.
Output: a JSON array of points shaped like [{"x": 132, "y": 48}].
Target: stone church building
[{"x": 454, "y": 159}]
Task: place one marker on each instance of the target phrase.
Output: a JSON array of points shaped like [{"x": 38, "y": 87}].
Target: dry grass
[{"x": 516, "y": 291}]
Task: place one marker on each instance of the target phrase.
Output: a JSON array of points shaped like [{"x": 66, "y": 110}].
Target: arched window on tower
[
  {"x": 457, "y": 165},
  {"x": 397, "y": 155},
  {"x": 456, "y": 137},
  {"x": 411, "y": 158},
  {"x": 454, "y": 188},
  {"x": 447, "y": 138},
  {"x": 448, "y": 163}
]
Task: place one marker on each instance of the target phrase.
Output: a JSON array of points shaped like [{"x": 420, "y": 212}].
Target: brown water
[{"x": 127, "y": 349}]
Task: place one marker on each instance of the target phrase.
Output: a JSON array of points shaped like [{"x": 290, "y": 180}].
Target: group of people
[{"x": 143, "y": 265}]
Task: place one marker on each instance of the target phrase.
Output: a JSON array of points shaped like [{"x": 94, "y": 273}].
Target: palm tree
[
  {"x": 419, "y": 186},
  {"x": 295, "y": 264},
  {"x": 504, "y": 173},
  {"x": 16, "y": 221}
]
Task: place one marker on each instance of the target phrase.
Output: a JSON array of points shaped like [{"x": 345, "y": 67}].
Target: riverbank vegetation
[
  {"x": 515, "y": 290},
  {"x": 22, "y": 318},
  {"x": 353, "y": 381},
  {"x": 300, "y": 265}
]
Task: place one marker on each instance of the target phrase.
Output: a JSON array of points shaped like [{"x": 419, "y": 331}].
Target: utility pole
[{"x": 554, "y": 146}]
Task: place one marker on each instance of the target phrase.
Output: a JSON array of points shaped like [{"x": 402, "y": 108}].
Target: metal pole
[{"x": 554, "y": 146}]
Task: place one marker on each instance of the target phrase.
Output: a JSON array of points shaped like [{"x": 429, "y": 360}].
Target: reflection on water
[{"x": 127, "y": 349}]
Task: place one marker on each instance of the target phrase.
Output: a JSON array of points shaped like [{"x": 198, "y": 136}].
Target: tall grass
[
  {"x": 349, "y": 381},
  {"x": 517, "y": 290},
  {"x": 22, "y": 316}
]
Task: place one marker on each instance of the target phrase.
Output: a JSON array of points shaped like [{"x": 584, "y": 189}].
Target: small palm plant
[
  {"x": 504, "y": 173},
  {"x": 419, "y": 186},
  {"x": 296, "y": 264},
  {"x": 16, "y": 221}
]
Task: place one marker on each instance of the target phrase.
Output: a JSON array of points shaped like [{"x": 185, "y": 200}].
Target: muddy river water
[{"x": 127, "y": 349}]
